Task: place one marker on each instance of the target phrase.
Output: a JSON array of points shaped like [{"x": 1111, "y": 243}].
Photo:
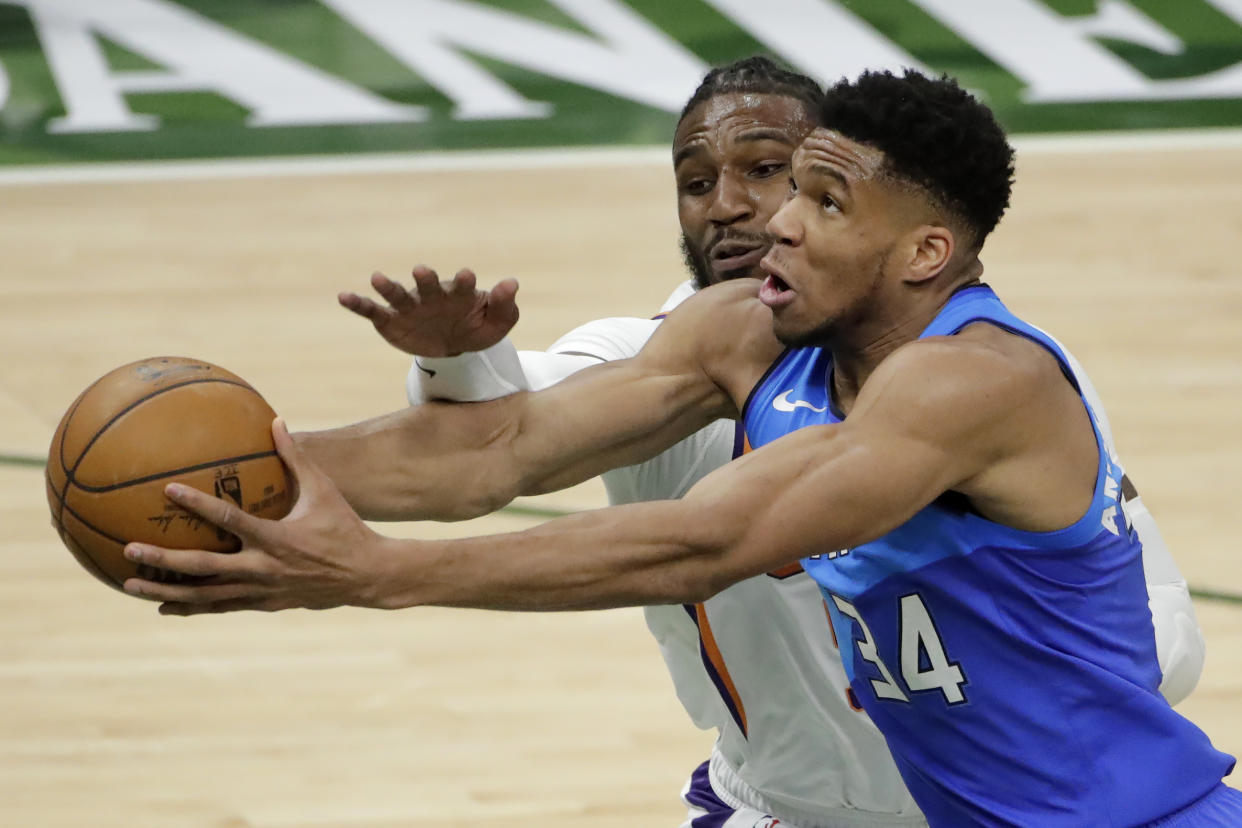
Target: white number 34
[{"x": 920, "y": 647}]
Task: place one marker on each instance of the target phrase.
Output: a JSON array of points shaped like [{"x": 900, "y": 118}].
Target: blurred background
[{"x": 200, "y": 177}]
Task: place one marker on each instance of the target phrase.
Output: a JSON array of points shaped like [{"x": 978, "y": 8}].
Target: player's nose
[
  {"x": 731, "y": 202},
  {"x": 784, "y": 227}
]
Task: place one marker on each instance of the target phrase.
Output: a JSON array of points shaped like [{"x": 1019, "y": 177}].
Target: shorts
[
  {"x": 707, "y": 810},
  {"x": 1220, "y": 808}
]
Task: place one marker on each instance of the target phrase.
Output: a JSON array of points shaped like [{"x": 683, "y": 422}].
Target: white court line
[
  {"x": 357, "y": 164},
  {"x": 530, "y": 159}
]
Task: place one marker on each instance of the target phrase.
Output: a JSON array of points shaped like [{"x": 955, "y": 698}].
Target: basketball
[{"x": 145, "y": 425}]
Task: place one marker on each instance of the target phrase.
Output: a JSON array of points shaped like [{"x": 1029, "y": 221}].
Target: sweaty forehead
[
  {"x": 824, "y": 148},
  {"x": 733, "y": 115}
]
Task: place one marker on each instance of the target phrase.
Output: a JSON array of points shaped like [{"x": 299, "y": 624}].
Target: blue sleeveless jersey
[{"x": 1013, "y": 673}]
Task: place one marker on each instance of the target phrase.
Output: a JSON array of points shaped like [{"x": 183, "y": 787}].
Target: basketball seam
[
  {"x": 92, "y": 526},
  {"x": 198, "y": 467},
  {"x": 60, "y": 456},
  {"x": 95, "y": 569},
  {"x": 70, "y": 477}
]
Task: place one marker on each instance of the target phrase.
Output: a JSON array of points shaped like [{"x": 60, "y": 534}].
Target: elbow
[
  {"x": 471, "y": 507},
  {"x": 711, "y": 567},
  {"x": 484, "y": 491},
  {"x": 695, "y": 587}
]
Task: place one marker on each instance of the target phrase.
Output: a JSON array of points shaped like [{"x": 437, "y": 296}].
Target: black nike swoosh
[{"x": 426, "y": 371}]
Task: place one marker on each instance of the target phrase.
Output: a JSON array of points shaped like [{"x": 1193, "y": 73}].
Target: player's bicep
[{"x": 816, "y": 490}]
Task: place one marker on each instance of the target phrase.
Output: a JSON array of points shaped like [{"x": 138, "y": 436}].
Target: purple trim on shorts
[
  {"x": 701, "y": 795},
  {"x": 739, "y": 439}
]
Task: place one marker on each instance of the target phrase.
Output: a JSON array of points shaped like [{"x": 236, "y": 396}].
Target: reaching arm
[
  {"x": 942, "y": 418},
  {"x": 501, "y": 370},
  {"x": 448, "y": 461}
]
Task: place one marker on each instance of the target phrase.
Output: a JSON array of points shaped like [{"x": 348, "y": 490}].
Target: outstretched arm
[
  {"x": 945, "y": 420},
  {"x": 445, "y": 461}
]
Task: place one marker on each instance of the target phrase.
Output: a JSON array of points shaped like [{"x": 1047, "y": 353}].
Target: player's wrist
[
  {"x": 393, "y": 578},
  {"x": 474, "y": 376}
]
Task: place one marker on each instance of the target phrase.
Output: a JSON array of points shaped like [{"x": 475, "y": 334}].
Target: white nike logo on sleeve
[{"x": 783, "y": 403}]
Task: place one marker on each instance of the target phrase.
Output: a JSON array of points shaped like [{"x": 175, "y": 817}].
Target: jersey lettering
[
  {"x": 921, "y": 645},
  {"x": 885, "y": 688},
  {"x": 924, "y": 663}
]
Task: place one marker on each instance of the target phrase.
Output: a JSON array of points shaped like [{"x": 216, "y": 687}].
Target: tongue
[{"x": 773, "y": 291}]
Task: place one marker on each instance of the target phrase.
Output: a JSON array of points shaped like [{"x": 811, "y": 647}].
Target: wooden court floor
[{"x": 113, "y": 716}]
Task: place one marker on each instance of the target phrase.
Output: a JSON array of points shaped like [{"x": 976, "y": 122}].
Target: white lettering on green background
[
  {"x": 821, "y": 39},
  {"x": 625, "y": 55},
  {"x": 1059, "y": 61},
  {"x": 198, "y": 55}
]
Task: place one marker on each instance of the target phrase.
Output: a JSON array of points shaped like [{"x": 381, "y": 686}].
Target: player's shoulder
[
  {"x": 735, "y": 301},
  {"x": 983, "y": 370},
  {"x": 727, "y": 318}
]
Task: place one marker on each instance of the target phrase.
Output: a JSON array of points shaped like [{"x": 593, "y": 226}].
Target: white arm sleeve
[
  {"x": 1179, "y": 641},
  {"x": 471, "y": 377},
  {"x": 502, "y": 370}
]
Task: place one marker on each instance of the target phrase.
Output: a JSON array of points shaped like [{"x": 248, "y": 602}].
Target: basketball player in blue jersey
[
  {"x": 928, "y": 457},
  {"x": 770, "y": 682}
]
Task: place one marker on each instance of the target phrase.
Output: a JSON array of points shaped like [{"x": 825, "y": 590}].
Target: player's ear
[{"x": 930, "y": 248}]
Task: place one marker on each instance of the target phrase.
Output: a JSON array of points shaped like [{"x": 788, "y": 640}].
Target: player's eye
[
  {"x": 697, "y": 186},
  {"x": 767, "y": 170},
  {"x": 828, "y": 203}
]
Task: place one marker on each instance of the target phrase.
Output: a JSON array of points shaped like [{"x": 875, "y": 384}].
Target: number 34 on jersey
[{"x": 924, "y": 666}]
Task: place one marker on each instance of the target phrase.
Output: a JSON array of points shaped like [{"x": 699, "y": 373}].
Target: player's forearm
[
  {"x": 422, "y": 463},
  {"x": 749, "y": 517},
  {"x": 641, "y": 554}
]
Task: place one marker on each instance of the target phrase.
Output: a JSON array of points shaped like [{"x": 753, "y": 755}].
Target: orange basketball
[{"x": 141, "y": 427}]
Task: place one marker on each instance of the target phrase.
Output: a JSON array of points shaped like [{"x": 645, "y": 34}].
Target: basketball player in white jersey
[{"x": 755, "y": 662}]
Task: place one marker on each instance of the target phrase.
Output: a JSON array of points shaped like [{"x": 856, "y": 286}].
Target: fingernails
[
  {"x": 134, "y": 552},
  {"x": 174, "y": 490},
  {"x": 133, "y": 587}
]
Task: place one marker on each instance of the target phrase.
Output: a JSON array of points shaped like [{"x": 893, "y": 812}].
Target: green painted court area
[{"x": 139, "y": 79}]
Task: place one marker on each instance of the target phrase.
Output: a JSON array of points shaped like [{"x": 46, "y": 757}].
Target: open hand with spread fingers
[
  {"x": 320, "y": 555},
  {"x": 438, "y": 319}
]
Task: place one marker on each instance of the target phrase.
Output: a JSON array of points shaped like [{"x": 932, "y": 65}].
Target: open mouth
[{"x": 775, "y": 291}]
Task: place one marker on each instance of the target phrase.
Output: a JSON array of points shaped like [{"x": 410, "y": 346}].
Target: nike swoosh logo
[
  {"x": 426, "y": 371},
  {"x": 783, "y": 403}
]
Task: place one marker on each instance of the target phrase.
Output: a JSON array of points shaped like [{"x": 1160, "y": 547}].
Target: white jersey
[{"x": 757, "y": 662}]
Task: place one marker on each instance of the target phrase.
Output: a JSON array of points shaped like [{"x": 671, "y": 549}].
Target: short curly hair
[
  {"x": 755, "y": 75},
  {"x": 933, "y": 134}
]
